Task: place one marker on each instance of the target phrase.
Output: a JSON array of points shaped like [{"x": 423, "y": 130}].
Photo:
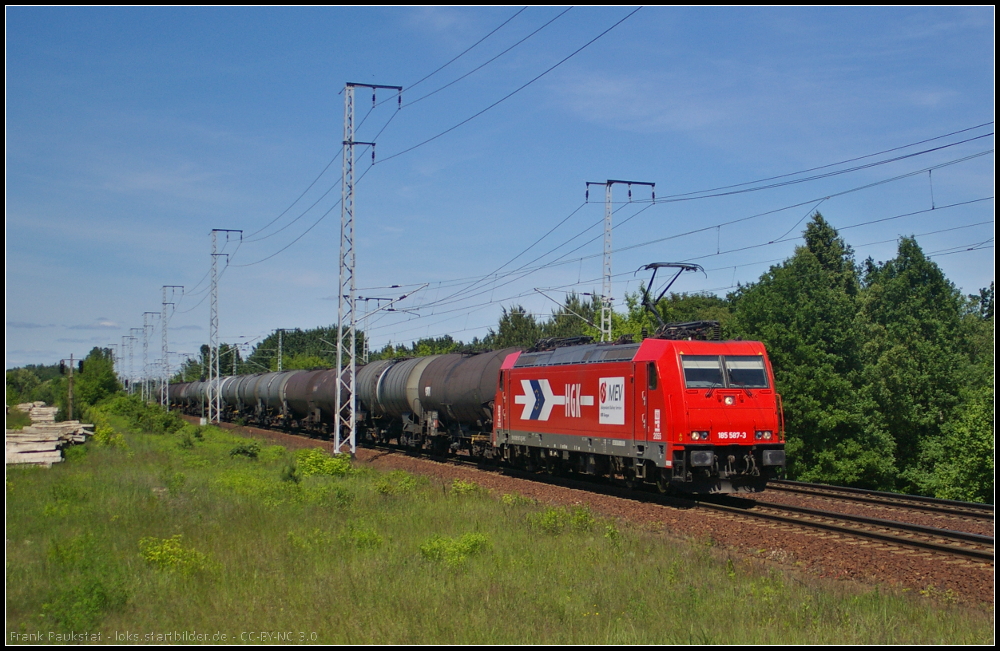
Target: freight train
[{"x": 696, "y": 416}]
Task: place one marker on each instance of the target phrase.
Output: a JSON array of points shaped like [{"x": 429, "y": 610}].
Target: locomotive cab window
[
  {"x": 746, "y": 371},
  {"x": 702, "y": 371},
  {"x": 651, "y": 377}
]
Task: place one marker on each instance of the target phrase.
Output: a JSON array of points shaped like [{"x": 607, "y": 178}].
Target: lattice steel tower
[
  {"x": 607, "y": 299},
  {"x": 164, "y": 319},
  {"x": 347, "y": 317},
  {"x": 146, "y": 327},
  {"x": 214, "y": 378}
]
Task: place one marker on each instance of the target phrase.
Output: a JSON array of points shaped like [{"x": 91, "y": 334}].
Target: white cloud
[{"x": 102, "y": 323}]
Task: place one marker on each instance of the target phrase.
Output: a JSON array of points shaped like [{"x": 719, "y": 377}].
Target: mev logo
[{"x": 612, "y": 407}]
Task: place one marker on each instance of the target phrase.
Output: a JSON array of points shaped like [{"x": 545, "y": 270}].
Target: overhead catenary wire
[
  {"x": 816, "y": 177},
  {"x": 340, "y": 151},
  {"x": 817, "y": 201},
  {"x": 820, "y": 167},
  {"x": 466, "y": 50},
  {"x": 451, "y": 331},
  {"x": 489, "y": 61},
  {"x": 511, "y": 94},
  {"x": 770, "y": 242},
  {"x": 479, "y": 306},
  {"x": 299, "y": 198}
]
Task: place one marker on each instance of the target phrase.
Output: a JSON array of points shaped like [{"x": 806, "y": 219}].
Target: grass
[
  {"x": 17, "y": 419},
  {"x": 187, "y": 531}
]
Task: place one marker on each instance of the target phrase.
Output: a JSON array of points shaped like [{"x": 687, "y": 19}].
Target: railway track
[
  {"x": 901, "y": 534},
  {"x": 983, "y": 512}
]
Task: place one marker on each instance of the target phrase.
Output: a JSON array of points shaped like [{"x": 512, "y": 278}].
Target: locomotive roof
[
  {"x": 598, "y": 353},
  {"x": 588, "y": 354}
]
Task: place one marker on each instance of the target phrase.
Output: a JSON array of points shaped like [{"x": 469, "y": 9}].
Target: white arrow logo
[{"x": 538, "y": 399}]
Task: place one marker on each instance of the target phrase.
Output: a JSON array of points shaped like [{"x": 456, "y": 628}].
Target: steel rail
[
  {"x": 881, "y": 498},
  {"x": 892, "y": 538}
]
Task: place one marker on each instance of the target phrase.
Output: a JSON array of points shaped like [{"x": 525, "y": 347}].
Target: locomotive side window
[
  {"x": 746, "y": 371},
  {"x": 701, "y": 371},
  {"x": 651, "y": 376}
]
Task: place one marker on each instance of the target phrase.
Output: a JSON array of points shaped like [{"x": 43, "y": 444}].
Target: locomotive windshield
[
  {"x": 746, "y": 371},
  {"x": 702, "y": 371},
  {"x": 705, "y": 371}
]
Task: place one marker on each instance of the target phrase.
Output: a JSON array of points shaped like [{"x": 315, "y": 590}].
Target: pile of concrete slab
[{"x": 42, "y": 442}]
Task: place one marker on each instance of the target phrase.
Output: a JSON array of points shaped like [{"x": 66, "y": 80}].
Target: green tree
[
  {"x": 20, "y": 383},
  {"x": 958, "y": 464},
  {"x": 318, "y": 342},
  {"x": 571, "y": 318},
  {"x": 193, "y": 369},
  {"x": 95, "y": 382},
  {"x": 300, "y": 362},
  {"x": 915, "y": 365},
  {"x": 516, "y": 328},
  {"x": 805, "y": 312},
  {"x": 673, "y": 308}
]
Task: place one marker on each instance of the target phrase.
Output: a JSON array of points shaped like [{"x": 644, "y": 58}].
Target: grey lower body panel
[{"x": 655, "y": 451}]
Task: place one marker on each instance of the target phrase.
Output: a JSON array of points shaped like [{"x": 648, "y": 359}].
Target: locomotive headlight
[
  {"x": 730, "y": 400},
  {"x": 699, "y": 436},
  {"x": 765, "y": 435}
]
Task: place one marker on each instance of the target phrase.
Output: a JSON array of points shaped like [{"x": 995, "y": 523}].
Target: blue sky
[{"x": 131, "y": 133}]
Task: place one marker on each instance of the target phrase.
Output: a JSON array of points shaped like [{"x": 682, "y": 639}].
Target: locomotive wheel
[{"x": 631, "y": 481}]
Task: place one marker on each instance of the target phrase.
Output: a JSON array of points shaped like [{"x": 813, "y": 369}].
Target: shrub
[
  {"x": 318, "y": 462},
  {"x": 106, "y": 436},
  {"x": 362, "y": 537},
  {"x": 397, "y": 482},
  {"x": 556, "y": 520},
  {"x": 454, "y": 552},
  {"x": 250, "y": 450},
  {"x": 168, "y": 554},
  {"x": 462, "y": 487},
  {"x": 315, "y": 540},
  {"x": 516, "y": 499},
  {"x": 83, "y": 606},
  {"x": 290, "y": 473},
  {"x": 140, "y": 416}
]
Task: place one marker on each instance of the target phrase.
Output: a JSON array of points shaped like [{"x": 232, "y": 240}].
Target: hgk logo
[{"x": 538, "y": 400}]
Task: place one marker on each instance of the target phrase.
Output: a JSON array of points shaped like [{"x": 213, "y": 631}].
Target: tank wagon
[
  {"x": 440, "y": 402},
  {"x": 695, "y": 416}
]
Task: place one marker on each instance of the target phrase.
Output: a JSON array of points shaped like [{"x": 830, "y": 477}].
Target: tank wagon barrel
[
  {"x": 461, "y": 388},
  {"x": 368, "y": 384}
]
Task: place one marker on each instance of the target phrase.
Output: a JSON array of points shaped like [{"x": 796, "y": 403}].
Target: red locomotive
[{"x": 699, "y": 416}]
